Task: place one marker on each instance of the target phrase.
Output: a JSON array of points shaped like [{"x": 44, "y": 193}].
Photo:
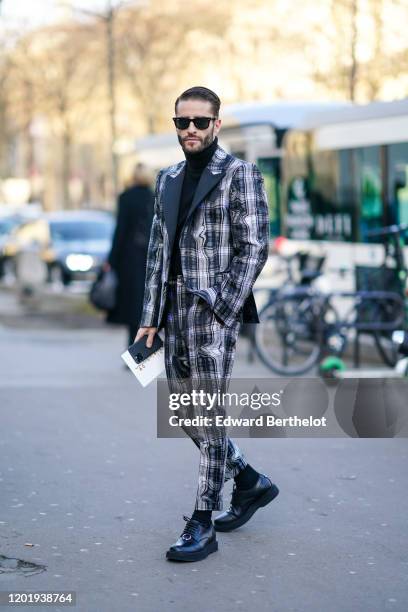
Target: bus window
[
  {"x": 398, "y": 181},
  {"x": 332, "y": 197},
  {"x": 295, "y": 206},
  {"x": 346, "y": 193},
  {"x": 368, "y": 171},
  {"x": 347, "y": 188},
  {"x": 269, "y": 168}
]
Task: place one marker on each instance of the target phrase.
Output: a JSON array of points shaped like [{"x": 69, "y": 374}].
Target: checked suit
[{"x": 223, "y": 248}]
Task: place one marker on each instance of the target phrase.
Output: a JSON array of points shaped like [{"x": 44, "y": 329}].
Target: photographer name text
[{"x": 263, "y": 420}]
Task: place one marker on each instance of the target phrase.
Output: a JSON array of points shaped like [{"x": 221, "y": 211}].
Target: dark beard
[{"x": 206, "y": 143}]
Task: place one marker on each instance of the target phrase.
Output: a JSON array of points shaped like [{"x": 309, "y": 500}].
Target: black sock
[
  {"x": 203, "y": 516},
  {"x": 247, "y": 478}
]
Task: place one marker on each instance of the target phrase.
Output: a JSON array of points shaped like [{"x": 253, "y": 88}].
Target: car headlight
[{"x": 79, "y": 263}]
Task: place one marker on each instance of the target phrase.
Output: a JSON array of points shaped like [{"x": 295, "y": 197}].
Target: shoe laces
[{"x": 190, "y": 528}]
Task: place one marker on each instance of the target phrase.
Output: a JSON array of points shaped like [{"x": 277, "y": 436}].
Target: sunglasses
[{"x": 201, "y": 123}]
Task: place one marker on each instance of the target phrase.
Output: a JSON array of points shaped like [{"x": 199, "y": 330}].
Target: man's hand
[{"x": 146, "y": 331}]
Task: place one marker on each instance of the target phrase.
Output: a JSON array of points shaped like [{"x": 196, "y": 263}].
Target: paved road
[{"x": 85, "y": 480}]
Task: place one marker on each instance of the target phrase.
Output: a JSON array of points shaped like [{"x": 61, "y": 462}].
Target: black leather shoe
[
  {"x": 195, "y": 543},
  {"x": 244, "y": 503}
]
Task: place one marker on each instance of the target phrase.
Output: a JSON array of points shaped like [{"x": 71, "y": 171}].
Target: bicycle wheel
[
  {"x": 386, "y": 348},
  {"x": 382, "y": 311},
  {"x": 288, "y": 337},
  {"x": 382, "y": 339}
]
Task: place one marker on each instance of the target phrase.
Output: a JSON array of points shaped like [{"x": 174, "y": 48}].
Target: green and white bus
[{"x": 343, "y": 173}]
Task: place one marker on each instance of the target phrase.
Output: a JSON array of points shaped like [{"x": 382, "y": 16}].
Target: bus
[{"x": 344, "y": 173}]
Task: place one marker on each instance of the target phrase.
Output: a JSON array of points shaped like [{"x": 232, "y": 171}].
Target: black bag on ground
[{"x": 103, "y": 291}]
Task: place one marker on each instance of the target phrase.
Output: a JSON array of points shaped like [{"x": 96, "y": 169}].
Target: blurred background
[
  {"x": 81, "y": 82},
  {"x": 314, "y": 93}
]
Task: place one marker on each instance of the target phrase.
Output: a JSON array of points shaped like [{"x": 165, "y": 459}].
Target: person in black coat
[{"x": 129, "y": 250}]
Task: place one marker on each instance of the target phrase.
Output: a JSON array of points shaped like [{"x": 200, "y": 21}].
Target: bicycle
[
  {"x": 287, "y": 340},
  {"x": 300, "y": 324},
  {"x": 308, "y": 268},
  {"x": 392, "y": 274}
]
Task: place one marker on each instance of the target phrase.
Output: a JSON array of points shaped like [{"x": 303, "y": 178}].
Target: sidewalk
[{"x": 86, "y": 482}]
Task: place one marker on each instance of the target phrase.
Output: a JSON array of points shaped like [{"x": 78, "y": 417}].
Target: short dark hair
[{"x": 201, "y": 93}]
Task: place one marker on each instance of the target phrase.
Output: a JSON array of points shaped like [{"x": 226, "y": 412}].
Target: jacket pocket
[{"x": 209, "y": 295}]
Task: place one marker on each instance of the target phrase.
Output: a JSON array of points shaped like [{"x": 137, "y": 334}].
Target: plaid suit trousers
[{"x": 199, "y": 354}]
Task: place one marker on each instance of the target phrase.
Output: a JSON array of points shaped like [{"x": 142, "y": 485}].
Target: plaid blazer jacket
[{"x": 223, "y": 244}]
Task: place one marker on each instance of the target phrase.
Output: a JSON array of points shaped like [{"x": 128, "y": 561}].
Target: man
[{"x": 208, "y": 244}]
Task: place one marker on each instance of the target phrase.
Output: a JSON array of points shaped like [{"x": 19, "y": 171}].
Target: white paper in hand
[{"x": 145, "y": 363}]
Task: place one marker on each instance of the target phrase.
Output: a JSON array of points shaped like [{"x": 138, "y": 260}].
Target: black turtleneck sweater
[{"x": 195, "y": 164}]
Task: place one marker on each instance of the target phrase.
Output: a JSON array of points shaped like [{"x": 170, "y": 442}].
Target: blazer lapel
[
  {"x": 208, "y": 180},
  {"x": 171, "y": 202},
  {"x": 210, "y": 177}
]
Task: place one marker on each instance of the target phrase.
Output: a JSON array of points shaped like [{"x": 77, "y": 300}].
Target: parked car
[{"x": 73, "y": 244}]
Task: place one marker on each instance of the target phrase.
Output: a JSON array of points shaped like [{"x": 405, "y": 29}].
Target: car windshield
[{"x": 68, "y": 231}]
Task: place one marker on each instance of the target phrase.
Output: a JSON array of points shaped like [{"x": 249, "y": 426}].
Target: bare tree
[
  {"x": 255, "y": 41},
  {"x": 355, "y": 77},
  {"x": 159, "y": 48},
  {"x": 19, "y": 88},
  {"x": 55, "y": 78},
  {"x": 382, "y": 65},
  {"x": 4, "y": 112}
]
